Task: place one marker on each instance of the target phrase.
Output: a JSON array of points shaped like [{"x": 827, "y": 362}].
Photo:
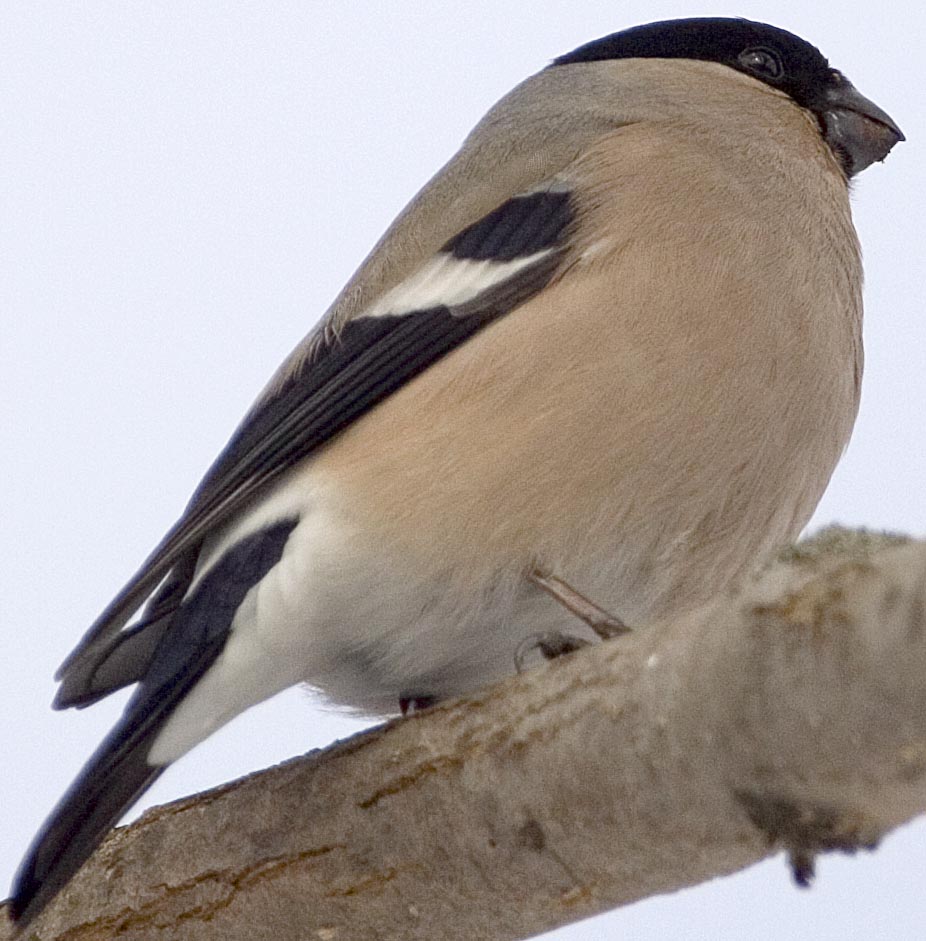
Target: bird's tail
[
  {"x": 119, "y": 772},
  {"x": 112, "y": 780}
]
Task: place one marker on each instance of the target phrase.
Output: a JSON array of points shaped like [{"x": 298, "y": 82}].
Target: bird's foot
[
  {"x": 415, "y": 703},
  {"x": 551, "y": 645}
]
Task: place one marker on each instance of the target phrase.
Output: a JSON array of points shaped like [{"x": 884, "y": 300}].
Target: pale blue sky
[{"x": 185, "y": 187}]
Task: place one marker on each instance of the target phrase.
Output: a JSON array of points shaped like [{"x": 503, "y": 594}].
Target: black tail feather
[
  {"x": 118, "y": 773},
  {"x": 109, "y": 783}
]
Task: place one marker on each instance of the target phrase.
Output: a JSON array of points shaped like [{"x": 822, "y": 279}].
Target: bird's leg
[
  {"x": 553, "y": 644},
  {"x": 604, "y": 624}
]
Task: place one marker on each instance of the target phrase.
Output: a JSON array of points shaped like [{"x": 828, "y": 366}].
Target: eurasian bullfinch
[{"x": 599, "y": 368}]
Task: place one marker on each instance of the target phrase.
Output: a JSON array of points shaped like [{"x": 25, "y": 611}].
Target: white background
[{"x": 183, "y": 190}]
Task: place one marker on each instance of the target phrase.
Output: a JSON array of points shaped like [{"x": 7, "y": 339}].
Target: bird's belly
[
  {"x": 424, "y": 591},
  {"x": 377, "y": 621}
]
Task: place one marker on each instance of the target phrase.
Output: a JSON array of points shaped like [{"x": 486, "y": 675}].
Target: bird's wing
[
  {"x": 487, "y": 269},
  {"x": 484, "y": 235}
]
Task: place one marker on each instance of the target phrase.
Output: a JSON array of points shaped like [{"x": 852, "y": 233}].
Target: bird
[{"x": 597, "y": 370}]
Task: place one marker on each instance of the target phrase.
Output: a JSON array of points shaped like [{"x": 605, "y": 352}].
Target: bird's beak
[{"x": 857, "y": 130}]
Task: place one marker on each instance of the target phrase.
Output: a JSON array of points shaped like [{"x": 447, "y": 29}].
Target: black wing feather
[{"x": 520, "y": 227}]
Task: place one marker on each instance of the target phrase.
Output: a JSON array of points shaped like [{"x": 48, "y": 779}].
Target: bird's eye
[{"x": 761, "y": 61}]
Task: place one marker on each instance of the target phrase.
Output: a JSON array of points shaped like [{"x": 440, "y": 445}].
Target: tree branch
[{"x": 793, "y": 715}]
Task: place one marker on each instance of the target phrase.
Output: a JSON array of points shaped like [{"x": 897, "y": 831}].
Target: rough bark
[{"x": 793, "y": 715}]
